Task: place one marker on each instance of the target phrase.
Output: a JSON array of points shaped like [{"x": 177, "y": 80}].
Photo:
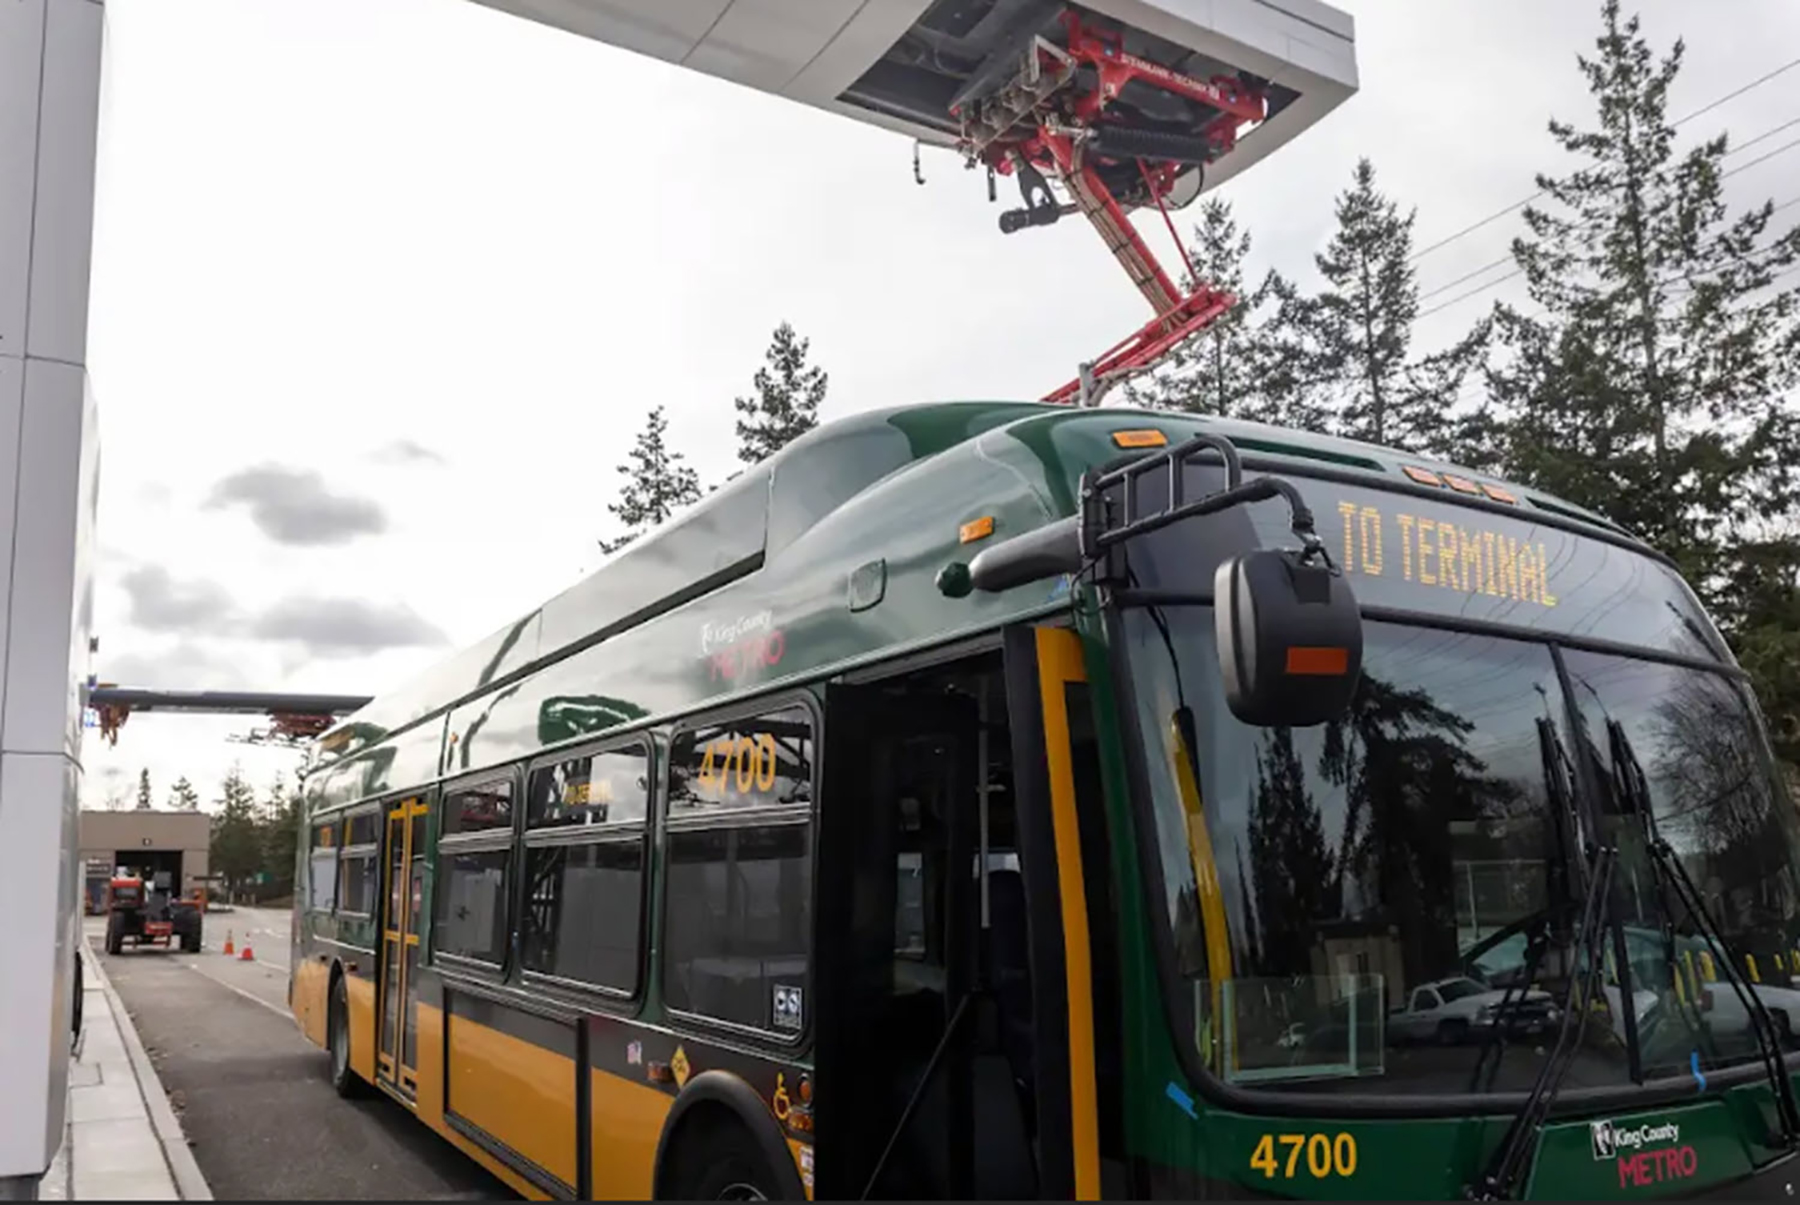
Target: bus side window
[
  {"x": 584, "y": 868},
  {"x": 474, "y": 864},
  {"x": 737, "y": 901},
  {"x": 321, "y": 895}
]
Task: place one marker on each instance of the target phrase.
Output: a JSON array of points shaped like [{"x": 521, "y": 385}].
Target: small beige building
[{"x": 146, "y": 841}]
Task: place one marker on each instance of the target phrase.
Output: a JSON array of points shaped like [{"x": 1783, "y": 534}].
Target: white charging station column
[{"x": 50, "y": 53}]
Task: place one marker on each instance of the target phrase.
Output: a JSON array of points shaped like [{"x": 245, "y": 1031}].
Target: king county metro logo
[
  {"x": 1608, "y": 1139},
  {"x": 1645, "y": 1154}
]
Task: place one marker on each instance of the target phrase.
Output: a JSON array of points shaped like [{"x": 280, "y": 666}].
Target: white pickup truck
[{"x": 1450, "y": 1011}]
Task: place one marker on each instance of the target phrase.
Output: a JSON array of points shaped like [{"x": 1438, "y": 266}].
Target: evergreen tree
[
  {"x": 1296, "y": 882},
  {"x": 786, "y": 404},
  {"x": 1245, "y": 364},
  {"x": 1650, "y": 386},
  {"x": 1360, "y": 329},
  {"x": 236, "y": 848},
  {"x": 143, "y": 791},
  {"x": 183, "y": 797},
  {"x": 279, "y": 836},
  {"x": 658, "y": 483}
]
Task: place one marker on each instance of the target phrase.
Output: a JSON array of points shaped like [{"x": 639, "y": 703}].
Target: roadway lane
[{"x": 252, "y": 1093}]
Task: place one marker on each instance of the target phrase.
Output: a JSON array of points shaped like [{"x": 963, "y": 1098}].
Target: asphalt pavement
[{"x": 253, "y": 1094}]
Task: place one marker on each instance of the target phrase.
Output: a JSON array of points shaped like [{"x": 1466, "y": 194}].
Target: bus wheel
[
  {"x": 75, "y": 1005},
  {"x": 722, "y": 1164},
  {"x": 346, "y": 1082}
]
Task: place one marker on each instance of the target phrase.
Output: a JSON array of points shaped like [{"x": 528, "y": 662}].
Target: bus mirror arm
[
  {"x": 1068, "y": 545},
  {"x": 1033, "y": 556}
]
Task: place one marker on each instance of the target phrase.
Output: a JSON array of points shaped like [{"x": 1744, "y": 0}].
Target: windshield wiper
[
  {"x": 1633, "y": 786},
  {"x": 1507, "y": 1165}
]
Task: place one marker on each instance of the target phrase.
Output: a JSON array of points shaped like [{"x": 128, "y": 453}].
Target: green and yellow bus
[{"x": 1009, "y": 800}]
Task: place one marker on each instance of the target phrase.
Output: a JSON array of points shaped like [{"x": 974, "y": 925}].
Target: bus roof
[{"x": 882, "y": 494}]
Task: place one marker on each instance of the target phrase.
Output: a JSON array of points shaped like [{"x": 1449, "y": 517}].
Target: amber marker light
[
  {"x": 977, "y": 529},
  {"x": 1147, "y": 438}
]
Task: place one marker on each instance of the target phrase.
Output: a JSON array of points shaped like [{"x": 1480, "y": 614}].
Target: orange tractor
[{"x": 142, "y": 915}]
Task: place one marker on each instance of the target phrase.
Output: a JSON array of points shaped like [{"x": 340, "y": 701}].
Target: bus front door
[
  {"x": 951, "y": 857},
  {"x": 402, "y": 913}
]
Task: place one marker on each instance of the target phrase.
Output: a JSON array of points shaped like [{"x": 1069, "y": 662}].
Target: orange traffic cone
[
  {"x": 228, "y": 948},
  {"x": 244, "y": 955}
]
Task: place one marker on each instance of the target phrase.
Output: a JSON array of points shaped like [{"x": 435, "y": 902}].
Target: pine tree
[
  {"x": 183, "y": 797},
  {"x": 279, "y": 836},
  {"x": 1361, "y": 328},
  {"x": 658, "y": 483},
  {"x": 786, "y": 404},
  {"x": 236, "y": 852},
  {"x": 1244, "y": 364},
  {"x": 1650, "y": 386},
  {"x": 143, "y": 791}
]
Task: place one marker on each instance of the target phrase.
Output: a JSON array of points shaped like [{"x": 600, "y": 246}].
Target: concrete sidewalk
[{"x": 122, "y": 1140}]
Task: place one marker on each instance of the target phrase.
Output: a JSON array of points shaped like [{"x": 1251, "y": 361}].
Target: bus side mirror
[{"x": 1289, "y": 636}]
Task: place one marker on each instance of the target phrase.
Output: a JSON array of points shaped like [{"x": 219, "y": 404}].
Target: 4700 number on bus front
[{"x": 1325, "y": 1155}]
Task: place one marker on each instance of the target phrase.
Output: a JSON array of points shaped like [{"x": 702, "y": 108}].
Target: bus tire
[
  {"x": 76, "y": 1002},
  {"x": 344, "y": 1080},
  {"x": 720, "y": 1161}
]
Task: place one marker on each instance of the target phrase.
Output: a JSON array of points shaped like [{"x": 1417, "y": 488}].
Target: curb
[{"x": 189, "y": 1182}]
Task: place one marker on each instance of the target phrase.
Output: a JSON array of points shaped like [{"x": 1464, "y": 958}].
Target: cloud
[
  {"x": 338, "y": 627},
  {"x": 406, "y": 451},
  {"x": 159, "y": 603},
  {"x": 293, "y": 506},
  {"x": 183, "y": 666}
]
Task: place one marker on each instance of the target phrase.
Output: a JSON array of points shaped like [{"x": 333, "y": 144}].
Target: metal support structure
[
  {"x": 293, "y": 718},
  {"x": 1056, "y": 116},
  {"x": 49, "y": 467}
]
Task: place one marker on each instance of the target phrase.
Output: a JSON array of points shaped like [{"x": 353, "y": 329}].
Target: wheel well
[{"x": 713, "y": 1101}]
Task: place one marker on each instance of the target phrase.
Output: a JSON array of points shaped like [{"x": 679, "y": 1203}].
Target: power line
[
  {"x": 1742, "y": 146},
  {"x": 1729, "y": 96},
  {"x": 1789, "y": 124},
  {"x": 1780, "y": 150},
  {"x": 1445, "y": 288},
  {"x": 1444, "y": 305},
  {"x": 1499, "y": 280},
  {"x": 1495, "y": 216}
]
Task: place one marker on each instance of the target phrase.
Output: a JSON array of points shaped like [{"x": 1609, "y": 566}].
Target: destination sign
[
  {"x": 1406, "y": 552},
  {"x": 1451, "y": 552}
]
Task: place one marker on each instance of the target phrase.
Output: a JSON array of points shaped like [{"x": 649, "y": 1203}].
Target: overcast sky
[{"x": 383, "y": 288}]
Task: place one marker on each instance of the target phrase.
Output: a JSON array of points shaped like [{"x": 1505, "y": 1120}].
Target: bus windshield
[{"x": 1364, "y": 906}]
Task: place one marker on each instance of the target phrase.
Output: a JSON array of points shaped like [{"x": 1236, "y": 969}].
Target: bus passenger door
[
  {"x": 1064, "y": 847},
  {"x": 947, "y": 825},
  {"x": 403, "y": 863},
  {"x": 896, "y": 942}
]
